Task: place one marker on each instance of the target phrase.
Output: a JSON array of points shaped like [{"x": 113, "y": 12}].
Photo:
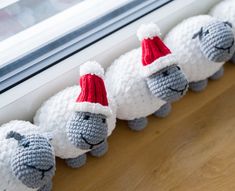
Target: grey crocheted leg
[
  {"x": 76, "y": 162},
  {"x": 198, "y": 86},
  {"x": 138, "y": 124},
  {"x": 233, "y": 59},
  {"x": 47, "y": 187},
  {"x": 163, "y": 111},
  {"x": 218, "y": 74},
  {"x": 101, "y": 150}
]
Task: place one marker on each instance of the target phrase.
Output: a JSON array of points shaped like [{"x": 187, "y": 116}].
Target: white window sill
[{"x": 22, "y": 101}]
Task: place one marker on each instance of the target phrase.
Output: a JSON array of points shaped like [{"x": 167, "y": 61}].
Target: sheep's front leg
[
  {"x": 198, "y": 86},
  {"x": 163, "y": 111},
  {"x": 100, "y": 150},
  {"x": 138, "y": 124},
  {"x": 218, "y": 74},
  {"x": 47, "y": 187},
  {"x": 76, "y": 162},
  {"x": 233, "y": 59}
]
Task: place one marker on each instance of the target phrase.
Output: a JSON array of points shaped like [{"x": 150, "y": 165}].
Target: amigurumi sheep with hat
[
  {"x": 27, "y": 159},
  {"x": 145, "y": 80},
  {"x": 202, "y": 45},
  {"x": 80, "y": 118},
  {"x": 225, "y": 10}
]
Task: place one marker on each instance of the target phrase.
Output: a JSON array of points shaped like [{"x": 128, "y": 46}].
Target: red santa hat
[
  {"x": 93, "y": 96},
  {"x": 155, "y": 54}
]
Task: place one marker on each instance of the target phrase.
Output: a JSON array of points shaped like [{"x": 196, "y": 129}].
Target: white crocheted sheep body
[
  {"x": 53, "y": 116},
  {"x": 129, "y": 89},
  {"x": 225, "y": 11},
  {"x": 7, "y": 147},
  {"x": 194, "y": 64}
]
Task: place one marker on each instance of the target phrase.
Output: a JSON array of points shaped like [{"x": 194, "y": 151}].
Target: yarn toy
[
  {"x": 27, "y": 159},
  {"x": 145, "y": 80},
  {"x": 80, "y": 118},
  {"x": 202, "y": 45},
  {"x": 225, "y": 10}
]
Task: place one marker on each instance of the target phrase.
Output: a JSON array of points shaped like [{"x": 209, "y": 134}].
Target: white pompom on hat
[
  {"x": 155, "y": 54},
  {"x": 92, "y": 67},
  {"x": 148, "y": 31}
]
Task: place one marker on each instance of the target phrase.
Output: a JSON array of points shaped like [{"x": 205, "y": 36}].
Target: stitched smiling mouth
[
  {"x": 179, "y": 91},
  {"x": 228, "y": 48},
  {"x": 40, "y": 170},
  {"x": 91, "y": 144}
]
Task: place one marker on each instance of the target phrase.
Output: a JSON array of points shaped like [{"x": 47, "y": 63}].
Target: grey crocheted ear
[
  {"x": 228, "y": 23},
  {"x": 198, "y": 34},
  {"x": 15, "y": 135}
]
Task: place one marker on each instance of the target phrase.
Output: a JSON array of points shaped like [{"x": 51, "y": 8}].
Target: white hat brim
[
  {"x": 91, "y": 107},
  {"x": 159, "y": 64}
]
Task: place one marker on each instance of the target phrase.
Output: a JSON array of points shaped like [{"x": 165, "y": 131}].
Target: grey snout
[{"x": 86, "y": 130}]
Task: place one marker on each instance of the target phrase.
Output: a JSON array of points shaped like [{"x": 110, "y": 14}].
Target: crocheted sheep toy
[
  {"x": 27, "y": 160},
  {"x": 202, "y": 45},
  {"x": 145, "y": 80},
  {"x": 225, "y": 11},
  {"x": 80, "y": 118}
]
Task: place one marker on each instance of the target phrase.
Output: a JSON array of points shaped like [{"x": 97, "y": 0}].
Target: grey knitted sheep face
[
  {"x": 87, "y": 130},
  {"x": 216, "y": 41},
  {"x": 169, "y": 84},
  {"x": 33, "y": 162}
]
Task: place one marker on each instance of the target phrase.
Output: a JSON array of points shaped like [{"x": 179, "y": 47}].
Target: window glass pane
[
  {"x": 18, "y": 15},
  {"x": 37, "y": 34}
]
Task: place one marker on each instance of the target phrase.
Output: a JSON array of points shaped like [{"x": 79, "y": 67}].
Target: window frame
[
  {"x": 26, "y": 66},
  {"x": 23, "y": 100}
]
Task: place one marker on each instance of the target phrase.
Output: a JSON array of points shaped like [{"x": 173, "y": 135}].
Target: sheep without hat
[
  {"x": 225, "y": 10},
  {"x": 202, "y": 45},
  {"x": 27, "y": 159}
]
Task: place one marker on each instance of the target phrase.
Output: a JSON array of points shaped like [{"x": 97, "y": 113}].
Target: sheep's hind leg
[
  {"x": 47, "y": 187},
  {"x": 100, "y": 150},
  {"x": 76, "y": 162},
  {"x": 138, "y": 124},
  {"x": 163, "y": 111},
  {"x": 218, "y": 74},
  {"x": 233, "y": 59},
  {"x": 198, "y": 86}
]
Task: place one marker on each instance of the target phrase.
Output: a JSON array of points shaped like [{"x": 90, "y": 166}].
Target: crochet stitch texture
[
  {"x": 181, "y": 41},
  {"x": 129, "y": 88},
  {"x": 27, "y": 160},
  {"x": 53, "y": 115}
]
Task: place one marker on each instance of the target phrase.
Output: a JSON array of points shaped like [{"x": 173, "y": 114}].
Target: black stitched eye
[
  {"x": 49, "y": 144},
  {"x": 206, "y": 32},
  {"x": 165, "y": 73},
  {"x": 103, "y": 120},
  {"x": 25, "y": 145},
  {"x": 86, "y": 117},
  {"x": 178, "y": 67}
]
